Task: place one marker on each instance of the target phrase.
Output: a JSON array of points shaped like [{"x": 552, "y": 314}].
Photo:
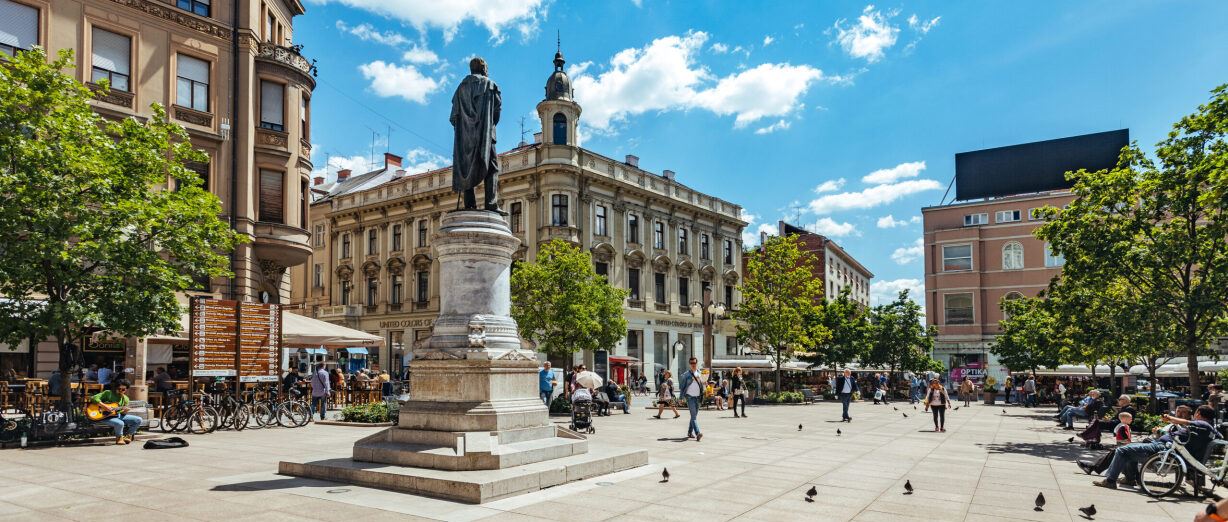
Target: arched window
[
  {"x": 560, "y": 129},
  {"x": 1010, "y": 296},
  {"x": 1012, "y": 256}
]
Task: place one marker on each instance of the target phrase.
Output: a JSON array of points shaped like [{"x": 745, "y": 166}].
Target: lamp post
[
  {"x": 709, "y": 311},
  {"x": 669, "y": 359}
]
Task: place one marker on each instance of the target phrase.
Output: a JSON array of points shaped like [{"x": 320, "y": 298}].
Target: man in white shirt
[
  {"x": 693, "y": 390},
  {"x": 846, "y": 386}
]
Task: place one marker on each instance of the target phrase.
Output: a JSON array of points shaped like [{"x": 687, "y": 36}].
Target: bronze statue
[{"x": 475, "y": 112}]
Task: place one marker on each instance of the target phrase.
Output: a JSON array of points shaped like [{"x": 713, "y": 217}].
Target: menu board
[{"x": 232, "y": 339}]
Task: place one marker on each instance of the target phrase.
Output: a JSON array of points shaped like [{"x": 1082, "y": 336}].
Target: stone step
[{"x": 476, "y": 452}]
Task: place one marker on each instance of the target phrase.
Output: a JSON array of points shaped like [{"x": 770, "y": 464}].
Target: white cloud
[
  {"x": 767, "y": 40},
  {"x": 914, "y": 220},
  {"x": 883, "y": 292},
  {"x": 388, "y": 80},
  {"x": 871, "y": 197},
  {"x": 419, "y": 160},
  {"x": 369, "y": 33},
  {"x": 779, "y": 125},
  {"x": 922, "y": 26},
  {"x": 496, "y": 16},
  {"x": 638, "y": 3},
  {"x": 740, "y": 49},
  {"x": 888, "y": 221},
  {"x": 831, "y": 228},
  {"x": 664, "y": 75},
  {"x": 830, "y": 185},
  {"x": 420, "y": 55},
  {"x": 870, "y": 37},
  {"x": 750, "y": 234},
  {"x": 719, "y": 48},
  {"x": 904, "y": 170},
  {"x": 908, "y": 254}
]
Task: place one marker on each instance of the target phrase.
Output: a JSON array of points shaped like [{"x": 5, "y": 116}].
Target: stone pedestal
[{"x": 473, "y": 395}]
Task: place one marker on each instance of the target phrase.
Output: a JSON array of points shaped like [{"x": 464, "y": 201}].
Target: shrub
[
  {"x": 560, "y": 405},
  {"x": 1144, "y": 423},
  {"x": 368, "y": 413},
  {"x": 783, "y": 397}
]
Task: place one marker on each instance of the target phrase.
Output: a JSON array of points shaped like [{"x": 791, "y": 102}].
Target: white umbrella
[{"x": 589, "y": 379}]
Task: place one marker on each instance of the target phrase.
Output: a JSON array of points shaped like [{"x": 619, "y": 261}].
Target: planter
[{"x": 990, "y": 397}]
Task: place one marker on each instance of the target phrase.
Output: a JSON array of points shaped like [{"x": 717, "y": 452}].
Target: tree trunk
[
  {"x": 1191, "y": 363},
  {"x": 778, "y": 364},
  {"x": 1112, "y": 379},
  {"x": 1152, "y": 402}
]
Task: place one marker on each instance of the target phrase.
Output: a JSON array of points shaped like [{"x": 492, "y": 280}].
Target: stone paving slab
[{"x": 987, "y": 467}]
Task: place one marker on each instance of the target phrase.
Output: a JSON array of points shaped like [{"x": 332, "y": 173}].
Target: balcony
[
  {"x": 290, "y": 60},
  {"x": 565, "y": 233},
  {"x": 339, "y": 311},
  {"x": 282, "y": 244}
]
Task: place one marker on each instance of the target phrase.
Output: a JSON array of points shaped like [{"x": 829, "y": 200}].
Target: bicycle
[
  {"x": 1164, "y": 472},
  {"x": 189, "y": 415},
  {"x": 292, "y": 412}
]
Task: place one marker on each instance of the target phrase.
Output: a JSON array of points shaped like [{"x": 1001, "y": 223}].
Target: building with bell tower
[{"x": 559, "y": 111}]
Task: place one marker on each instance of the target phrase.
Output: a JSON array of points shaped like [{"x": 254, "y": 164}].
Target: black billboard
[{"x": 1034, "y": 167}]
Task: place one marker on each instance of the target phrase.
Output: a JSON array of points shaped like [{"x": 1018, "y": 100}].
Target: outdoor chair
[{"x": 808, "y": 395}]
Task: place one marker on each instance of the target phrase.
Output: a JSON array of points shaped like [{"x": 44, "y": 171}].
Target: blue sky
[{"x": 841, "y": 116}]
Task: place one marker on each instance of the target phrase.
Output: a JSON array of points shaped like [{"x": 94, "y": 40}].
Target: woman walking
[
  {"x": 936, "y": 399},
  {"x": 965, "y": 390},
  {"x": 665, "y": 396},
  {"x": 739, "y": 392}
]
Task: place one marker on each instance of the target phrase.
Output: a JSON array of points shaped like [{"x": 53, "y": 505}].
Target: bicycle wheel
[
  {"x": 258, "y": 416},
  {"x": 1161, "y": 475},
  {"x": 200, "y": 422},
  {"x": 291, "y": 414},
  {"x": 166, "y": 419},
  {"x": 240, "y": 417},
  {"x": 304, "y": 413},
  {"x": 266, "y": 413}
]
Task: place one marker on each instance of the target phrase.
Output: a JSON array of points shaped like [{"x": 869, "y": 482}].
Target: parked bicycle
[
  {"x": 1164, "y": 472},
  {"x": 187, "y": 414}
]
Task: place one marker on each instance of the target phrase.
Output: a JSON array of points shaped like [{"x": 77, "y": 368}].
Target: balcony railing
[{"x": 289, "y": 56}]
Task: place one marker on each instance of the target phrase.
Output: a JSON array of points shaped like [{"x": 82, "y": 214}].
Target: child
[{"x": 1122, "y": 431}]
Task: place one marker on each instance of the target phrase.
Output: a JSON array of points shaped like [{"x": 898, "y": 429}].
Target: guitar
[{"x": 95, "y": 413}]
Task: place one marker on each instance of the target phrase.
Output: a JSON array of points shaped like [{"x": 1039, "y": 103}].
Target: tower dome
[{"x": 558, "y": 86}]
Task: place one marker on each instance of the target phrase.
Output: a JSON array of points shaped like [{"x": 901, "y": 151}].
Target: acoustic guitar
[{"x": 95, "y": 413}]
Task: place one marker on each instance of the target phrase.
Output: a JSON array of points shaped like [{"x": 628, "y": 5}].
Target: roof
[
  {"x": 375, "y": 178},
  {"x": 786, "y": 228}
]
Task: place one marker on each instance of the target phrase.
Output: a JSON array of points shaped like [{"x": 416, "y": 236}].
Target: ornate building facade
[{"x": 372, "y": 268}]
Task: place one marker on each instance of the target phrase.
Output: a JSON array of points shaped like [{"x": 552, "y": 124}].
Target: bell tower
[{"x": 559, "y": 111}]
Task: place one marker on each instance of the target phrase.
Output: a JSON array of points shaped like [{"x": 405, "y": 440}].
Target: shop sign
[
  {"x": 106, "y": 346},
  {"x": 406, "y": 323},
  {"x": 678, "y": 324}
]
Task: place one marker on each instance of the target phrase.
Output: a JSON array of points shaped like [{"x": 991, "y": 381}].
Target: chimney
[
  {"x": 668, "y": 174},
  {"x": 391, "y": 160},
  {"x": 318, "y": 180},
  {"x": 537, "y": 137},
  {"x": 342, "y": 175},
  {"x": 633, "y": 160}
]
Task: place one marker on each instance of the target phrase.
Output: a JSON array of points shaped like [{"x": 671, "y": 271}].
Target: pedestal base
[{"x": 467, "y": 451}]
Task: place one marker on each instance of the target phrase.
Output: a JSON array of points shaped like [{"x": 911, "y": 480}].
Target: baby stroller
[
  {"x": 1091, "y": 435},
  {"x": 582, "y": 416}
]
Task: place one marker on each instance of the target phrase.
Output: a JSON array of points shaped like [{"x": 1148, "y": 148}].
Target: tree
[
  {"x": 1159, "y": 227},
  {"x": 781, "y": 301},
  {"x": 898, "y": 340},
  {"x": 849, "y": 327},
  {"x": 560, "y": 303},
  {"x": 91, "y": 237},
  {"x": 1030, "y": 335}
]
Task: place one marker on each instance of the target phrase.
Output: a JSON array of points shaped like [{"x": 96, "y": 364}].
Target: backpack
[{"x": 166, "y": 443}]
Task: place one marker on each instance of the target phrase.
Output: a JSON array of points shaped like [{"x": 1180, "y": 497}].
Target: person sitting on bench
[{"x": 125, "y": 425}]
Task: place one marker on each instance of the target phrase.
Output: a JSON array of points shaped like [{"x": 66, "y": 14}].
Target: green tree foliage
[
  {"x": 90, "y": 235},
  {"x": 1158, "y": 225},
  {"x": 560, "y": 303},
  {"x": 782, "y": 301},
  {"x": 849, "y": 326},
  {"x": 898, "y": 341},
  {"x": 1030, "y": 335}
]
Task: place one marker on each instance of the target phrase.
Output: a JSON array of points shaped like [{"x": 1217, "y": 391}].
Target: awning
[
  {"x": 355, "y": 351},
  {"x": 1077, "y": 370},
  {"x": 1176, "y": 367},
  {"x": 623, "y": 359},
  {"x": 745, "y": 364},
  {"x": 302, "y": 331},
  {"x": 174, "y": 337}
]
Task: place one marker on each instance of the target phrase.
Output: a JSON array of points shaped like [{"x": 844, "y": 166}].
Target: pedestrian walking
[
  {"x": 1007, "y": 388},
  {"x": 665, "y": 395},
  {"x": 1061, "y": 393},
  {"x": 1029, "y": 391},
  {"x": 693, "y": 390},
  {"x": 546, "y": 382},
  {"x": 319, "y": 391},
  {"x": 739, "y": 392},
  {"x": 966, "y": 390},
  {"x": 846, "y": 386},
  {"x": 937, "y": 400}
]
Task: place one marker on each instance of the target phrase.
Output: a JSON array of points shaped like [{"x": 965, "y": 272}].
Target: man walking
[
  {"x": 846, "y": 386},
  {"x": 319, "y": 390},
  {"x": 546, "y": 381},
  {"x": 694, "y": 393},
  {"x": 1029, "y": 391}
]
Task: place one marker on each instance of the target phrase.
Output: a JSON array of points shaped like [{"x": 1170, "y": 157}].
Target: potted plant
[{"x": 991, "y": 390}]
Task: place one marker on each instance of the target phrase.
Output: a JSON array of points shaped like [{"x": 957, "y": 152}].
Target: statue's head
[{"x": 477, "y": 66}]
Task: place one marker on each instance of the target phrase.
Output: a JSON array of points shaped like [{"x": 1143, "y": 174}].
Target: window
[
  {"x": 684, "y": 291},
  {"x": 372, "y": 241},
  {"x": 682, "y": 241},
  {"x": 318, "y": 236},
  {"x": 345, "y": 292},
  {"x": 634, "y": 347},
  {"x": 1012, "y": 256},
  {"x": 603, "y": 270},
  {"x": 601, "y": 222},
  {"x": 201, "y": 168},
  {"x": 1053, "y": 259},
  {"x": 517, "y": 214},
  {"x": 372, "y": 290},
  {"x": 1006, "y": 216},
  {"x": 319, "y": 276},
  {"x": 345, "y": 246},
  {"x": 200, "y": 7},
  {"x": 272, "y": 110},
  {"x": 424, "y": 286},
  {"x": 395, "y": 289},
  {"x": 658, "y": 234},
  {"x": 728, "y": 296},
  {"x": 976, "y": 219},
  {"x": 18, "y": 27},
  {"x": 1034, "y": 214},
  {"x": 396, "y": 238},
  {"x": 728, "y": 252},
  {"x": 958, "y": 308},
  {"x": 422, "y": 226},
  {"x": 731, "y": 345},
  {"x": 269, "y": 32},
  {"x": 659, "y": 287},
  {"x": 560, "y": 129},
  {"x": 633, "y": 283},
  {"x": 1010, "y": 296},
  {"x": 304, "y": 107},
  {"x": 705, "y": 250},
  {"x": 192, "y": 87},
  {"x": 558, "y": 210},
  {"x": 633, "y": 228},
  {"x": 956, "y": 258},
  {"x": 112, "y": 59},
  {"x": 272, "y": 203}
]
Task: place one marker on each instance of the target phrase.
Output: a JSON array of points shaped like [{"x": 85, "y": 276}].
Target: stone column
[{"x": 137, "y": 352}]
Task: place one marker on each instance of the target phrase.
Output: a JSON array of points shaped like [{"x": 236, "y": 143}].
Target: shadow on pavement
[{"x": 1049, "y": 450}]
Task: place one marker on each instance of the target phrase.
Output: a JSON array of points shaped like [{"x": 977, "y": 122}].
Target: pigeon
[
  {"x": 1070, "y": 439},
  {"x": 905, "y": 415},
  {"x": 907, "y": 487},
  {"x": 799, "y": 427},
  {"x": 1003, "y": 410},
  {"x": 810, "y": 493},
  {"x": 664, "y": 474},
  {"x": 957, "y": 407},
  {"x": 894, "y": 408},
  {"x": 837, "y": 432},
  {"x": 1089, "y": 511},
  {"x": 914, "y": 407},
  {"x": 1040, "y": 501}
]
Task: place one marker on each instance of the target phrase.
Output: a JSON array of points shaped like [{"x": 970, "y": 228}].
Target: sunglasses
[{"x": 1213, "y": 514}]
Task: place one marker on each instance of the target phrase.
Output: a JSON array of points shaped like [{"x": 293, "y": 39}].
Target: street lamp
[
  {"x": 669, "y": 359},
  {"x": 709, "y": 311}
]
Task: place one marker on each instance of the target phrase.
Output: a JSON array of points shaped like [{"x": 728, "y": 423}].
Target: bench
[{"x": 808, "y": 395}]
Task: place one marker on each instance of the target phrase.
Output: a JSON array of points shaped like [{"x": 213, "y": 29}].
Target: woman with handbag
[
  {"x": 665, "y": 396},
  {"x": 739, "y": 392},
  {"x": 936, "y": 399}
]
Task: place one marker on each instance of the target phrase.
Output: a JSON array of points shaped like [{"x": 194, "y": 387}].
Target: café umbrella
[{"x": 588, "y": 379}]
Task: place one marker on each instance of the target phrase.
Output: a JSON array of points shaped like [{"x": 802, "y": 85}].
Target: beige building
[
  {"x": 227, "y": 71},
  {"x": 372, "y": 268}
]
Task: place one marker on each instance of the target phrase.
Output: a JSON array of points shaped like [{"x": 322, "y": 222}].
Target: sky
[{"x": 842, "y": 117}]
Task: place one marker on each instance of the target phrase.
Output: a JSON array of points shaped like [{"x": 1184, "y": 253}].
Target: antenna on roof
[
  {"x": 388, "y": 143},
  {"x": 522, "y": 131}
]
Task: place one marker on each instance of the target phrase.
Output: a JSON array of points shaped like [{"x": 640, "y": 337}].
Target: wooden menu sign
[{"x": 233, "y": 339}]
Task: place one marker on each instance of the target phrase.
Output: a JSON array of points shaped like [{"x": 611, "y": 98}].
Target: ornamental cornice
[{"x": 165, "y": 12}]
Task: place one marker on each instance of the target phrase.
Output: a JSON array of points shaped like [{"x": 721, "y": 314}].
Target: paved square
[{"x": 988, "y": 466}]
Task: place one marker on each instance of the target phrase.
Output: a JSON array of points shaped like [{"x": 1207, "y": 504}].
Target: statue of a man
[{"x": 475, "y": 112}]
